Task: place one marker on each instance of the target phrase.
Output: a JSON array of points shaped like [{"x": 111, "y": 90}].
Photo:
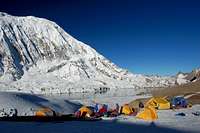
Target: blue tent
[{"x": 179, "y": 102}]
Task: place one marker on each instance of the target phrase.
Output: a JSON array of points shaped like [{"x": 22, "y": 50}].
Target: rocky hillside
[{"x": 182, "y": 78}]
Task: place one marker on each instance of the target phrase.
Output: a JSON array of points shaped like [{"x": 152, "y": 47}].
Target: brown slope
[
  {"x": 190, "y": 90},
  {"x": 178, "y": 90}
]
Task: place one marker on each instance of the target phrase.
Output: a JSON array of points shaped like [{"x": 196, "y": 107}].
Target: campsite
[
  {"x": 99, "y": 66},
  {"x": 61, "y": 114}
]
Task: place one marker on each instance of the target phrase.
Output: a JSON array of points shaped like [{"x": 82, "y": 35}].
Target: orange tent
[{"x": 43, "y": 112}]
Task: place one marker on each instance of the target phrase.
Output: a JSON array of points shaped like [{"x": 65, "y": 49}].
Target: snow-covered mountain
[
  {"x": 183, "y": 78},
  {"x": 36, "y": 55}
]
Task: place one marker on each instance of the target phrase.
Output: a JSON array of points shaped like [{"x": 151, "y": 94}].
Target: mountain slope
[
  {"x": 183, "y": 78},
  {"x": 36, "y": 55}
]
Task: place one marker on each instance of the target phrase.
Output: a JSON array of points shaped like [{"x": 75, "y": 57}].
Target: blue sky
[{"x": 145, "y": 36}]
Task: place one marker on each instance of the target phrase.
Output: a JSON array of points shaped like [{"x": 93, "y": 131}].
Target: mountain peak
[
  {"x": 36, "y": 55},
  {"x": 2, "y": 14}
]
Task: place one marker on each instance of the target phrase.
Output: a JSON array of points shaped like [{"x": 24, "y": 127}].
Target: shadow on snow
[{"x": 83, "y": 127}]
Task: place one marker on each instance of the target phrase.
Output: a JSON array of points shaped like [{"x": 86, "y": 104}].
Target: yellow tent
[
  {"x": 126, "y": 109},
  {"x": 158, "y": 103},
  {"x": 43, "y": 112},
  {"x": 85, "y": 111},
  {"x": 148, "y": 113}
]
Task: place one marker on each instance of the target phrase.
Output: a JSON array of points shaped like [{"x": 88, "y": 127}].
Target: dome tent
[
  {"x": 85, "y": 111},
  {"x": 126, "y": 109},
  {"x": 45, "y": 112},
  {"x": 158, "y": 103},
  {"x": 148, "y": 113}
]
